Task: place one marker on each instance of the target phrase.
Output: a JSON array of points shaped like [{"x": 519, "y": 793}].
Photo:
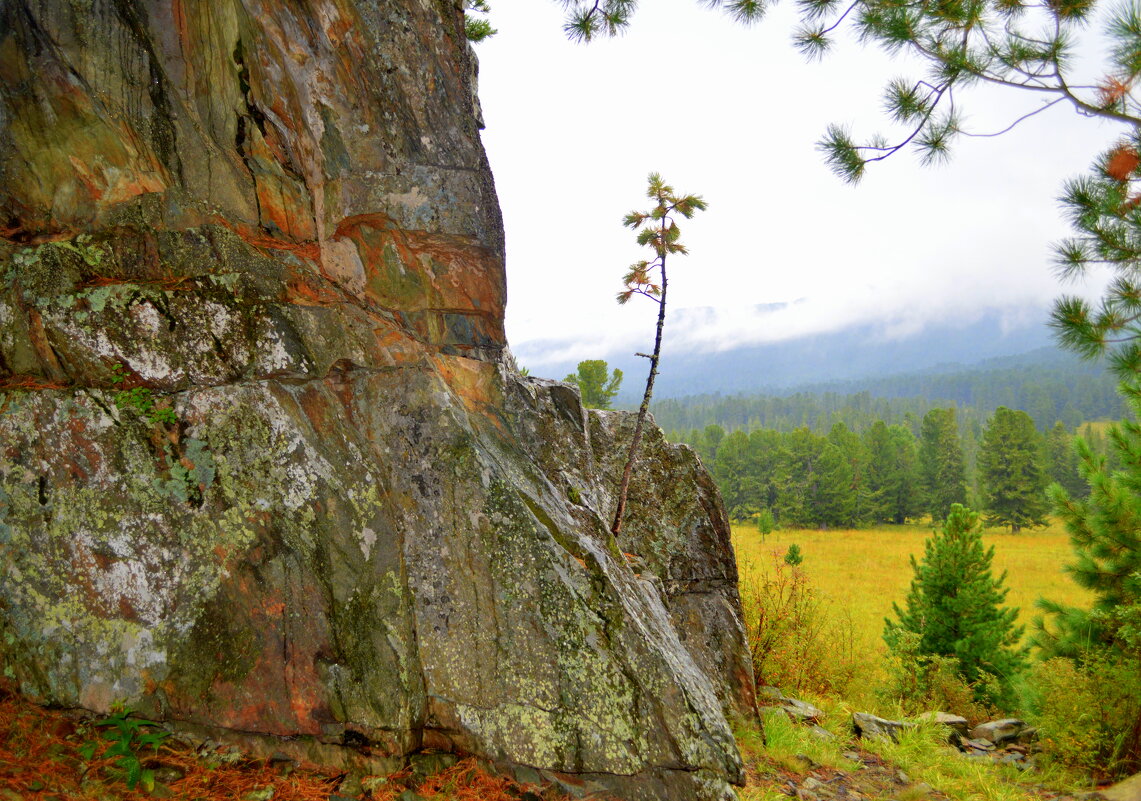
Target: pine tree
[
  {"x": 657, "y": 229},
  {"x": 1105, "y": 532},
  {"x": 942, "y": 470},
  {"x": 1011, "y": 479},
  {"x": 1062, "y": 464},
  {"x": 954, "y": 607},
  {"x": 851, "y": 447},
  {"x": 892, "y": 473},
  {"x": 597, "y": 389},
  {"x": 832, "y": 495},
  {"x": 796, "y": 465}
]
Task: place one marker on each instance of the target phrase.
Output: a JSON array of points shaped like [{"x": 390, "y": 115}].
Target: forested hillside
[
  {"x": 1046, "y": 384},
  {"x": 904, "y": 447}
]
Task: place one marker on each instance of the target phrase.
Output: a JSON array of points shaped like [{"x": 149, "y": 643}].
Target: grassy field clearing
[{"x": 859, "y": 573}]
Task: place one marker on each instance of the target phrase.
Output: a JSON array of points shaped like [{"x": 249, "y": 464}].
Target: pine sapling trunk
[
  {"x": 662, "y": 236},
  {"x": 643, "y": 410}
]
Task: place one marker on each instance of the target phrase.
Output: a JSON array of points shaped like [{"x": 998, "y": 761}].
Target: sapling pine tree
[
  {"x": 657, "y": 229},
  {"x": 955, "y": 608}
]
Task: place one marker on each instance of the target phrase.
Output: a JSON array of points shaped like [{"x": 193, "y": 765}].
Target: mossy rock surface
[{"x": 265, "y": 470}]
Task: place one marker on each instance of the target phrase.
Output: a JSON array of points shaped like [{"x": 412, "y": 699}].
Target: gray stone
[
  {"x": 822, "y": 733},
  {"x": 525, "y": 774},
  {"x": 817, "y": 787},
  {"x": 801, "y": 712},
  {"x": 269, "y": 424},
  {"x": 867, "y": 726},
  {"x": 998, "y": 732},
  {"x": 768, "y": 693},
  {"x": 1125, "y": 790}
]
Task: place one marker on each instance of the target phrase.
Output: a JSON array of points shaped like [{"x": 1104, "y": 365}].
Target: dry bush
[
  {"x": 797, "y": 643},
  {"x": 1089, "y": 713}
]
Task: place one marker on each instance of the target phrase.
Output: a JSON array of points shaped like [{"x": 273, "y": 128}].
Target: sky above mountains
[{"x": 786, "y": 249}]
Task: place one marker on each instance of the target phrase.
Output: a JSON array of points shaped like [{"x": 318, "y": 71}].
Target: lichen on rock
[{"x": 265, "y": 469}]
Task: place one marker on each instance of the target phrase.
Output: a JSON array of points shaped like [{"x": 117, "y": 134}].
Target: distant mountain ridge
[
  {"x": 858, "y": 352},
  {"x": 1046, "y": 383}
]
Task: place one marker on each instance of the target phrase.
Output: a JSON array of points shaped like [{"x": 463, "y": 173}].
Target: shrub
[
  {"x": 918, "y": 682},
  {"x": 795, "y": 644},
  {"x": 793, "y": 557},
  {"x": 1089, "y": 712}
]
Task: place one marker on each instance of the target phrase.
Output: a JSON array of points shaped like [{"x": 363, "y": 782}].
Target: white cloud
[{"x": 734, "y": 114}]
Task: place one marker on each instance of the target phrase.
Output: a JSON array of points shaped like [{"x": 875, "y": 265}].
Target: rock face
[{"x": 265, "y": 467}]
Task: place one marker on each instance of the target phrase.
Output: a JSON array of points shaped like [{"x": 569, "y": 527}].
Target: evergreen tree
[
  {"x": 1105, "y": 532},
  {"x": 954, "y": 607},
  {"x": 591, "y": 379},
  {"x": 1011, "y": 479},
  {"x": 477, "y": 28},
  {"x": 851, "y": 447},
  {"x": 831, "y": 501},
  {"x": 794, "y": 474},
  {"x": 734, "y": 477},
  {"x": 657, "y": 229},
  {"x": 764, "y": 454},
  {"x": 892, "y": 473},
  {"x": 942, "y": 470},
  {"x": 1062, "y": 461}
]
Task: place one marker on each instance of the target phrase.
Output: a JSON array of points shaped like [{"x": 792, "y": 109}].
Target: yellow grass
[{"x": 861, "y": 572}]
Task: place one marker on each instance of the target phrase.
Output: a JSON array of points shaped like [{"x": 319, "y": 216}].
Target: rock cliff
[{"x": 266, "y": 470}]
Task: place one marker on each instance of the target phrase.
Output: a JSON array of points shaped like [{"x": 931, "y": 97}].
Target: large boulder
[{"x": 266, "y": 469}]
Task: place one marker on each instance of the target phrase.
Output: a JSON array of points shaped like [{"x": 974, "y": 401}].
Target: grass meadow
[{"x": 858, "y": 574}]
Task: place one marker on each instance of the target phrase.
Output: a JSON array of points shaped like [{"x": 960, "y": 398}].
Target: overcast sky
[{"x": 733, "y": 114}]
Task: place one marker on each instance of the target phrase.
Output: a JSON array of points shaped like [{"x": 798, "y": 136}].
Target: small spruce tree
[{"x": 955, "y": 609}]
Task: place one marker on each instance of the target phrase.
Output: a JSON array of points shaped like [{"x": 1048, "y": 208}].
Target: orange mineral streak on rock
[
  {"x": 266, "y": 680},
  {"x": 475, "y": 383}
]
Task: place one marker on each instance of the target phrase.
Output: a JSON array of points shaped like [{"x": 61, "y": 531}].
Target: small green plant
[
  {"x": 141, "y": 399},
  {"x": 128, "y": 736},
  {"x": 575, "y": 496},
  {"x": 793, "y": 556},
  {"x": 648, "y": 279},
  {"x": 765, "y": 522}
]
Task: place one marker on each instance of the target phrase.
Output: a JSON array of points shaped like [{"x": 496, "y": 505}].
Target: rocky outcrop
[{"x": 265, "y": 467}]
